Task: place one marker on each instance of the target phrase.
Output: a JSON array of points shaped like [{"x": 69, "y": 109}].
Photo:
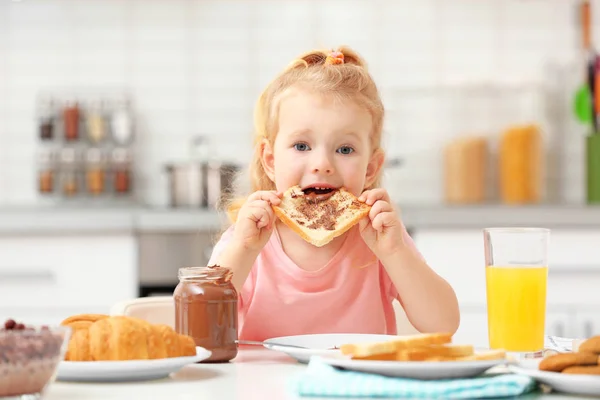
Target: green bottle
[{"x": 592, "y": 152}]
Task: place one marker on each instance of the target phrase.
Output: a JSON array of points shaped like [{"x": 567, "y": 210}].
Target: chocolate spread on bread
[
  {"x": 322, "y": 213},
  {"x": 329, "y": 210},
  {"x": 206, "y": 310}
]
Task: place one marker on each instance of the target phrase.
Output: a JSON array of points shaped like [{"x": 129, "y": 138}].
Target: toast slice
[
  {"x": 498, "y": 354},
  {"x": 427, "y": 352},
  {"x": 395, "y": 346},
  {"x": 319, "y": 219},
  {"x": 432, "y": 352}
]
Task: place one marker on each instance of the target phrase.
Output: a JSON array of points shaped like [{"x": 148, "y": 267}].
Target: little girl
[{"x": 318, "y": 124}]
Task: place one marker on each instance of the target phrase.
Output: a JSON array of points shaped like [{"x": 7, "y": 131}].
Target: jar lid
[
  {"x": 45, "y": 105},
  {"x": 98, "y": 105},
  {"x": 71, "y": 103},
  {"x": 214, "y": 273},
  {"x": 68, "y": 155},
  {"x": 46, "y": 155},
  {"x": 94, "y": 156},
  {"x": 121, "y": 155}
]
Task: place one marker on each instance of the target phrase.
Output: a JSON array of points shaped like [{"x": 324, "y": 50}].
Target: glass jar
[
  {"x": 206, "y": 310},
  {"x": 122, "y": 122},
  {"x": 96, "y": 127},
  {"x": 95, "y": 173},
  {"x": 69, "y": 175},
  {"x": 121, "y": 159},
  {"x": 46, "y": 119},
  {"x": 46, "y": 172},
  {"x": 71, "y": 120}
]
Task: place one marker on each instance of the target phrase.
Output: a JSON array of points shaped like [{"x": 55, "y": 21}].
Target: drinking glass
[{"x": 516, "y": 279}]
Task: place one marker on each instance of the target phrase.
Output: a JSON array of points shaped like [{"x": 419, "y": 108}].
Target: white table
[{"x": 255, "y": 374}]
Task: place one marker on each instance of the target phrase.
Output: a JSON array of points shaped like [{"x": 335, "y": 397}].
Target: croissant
[
  {"x": 118, "y": 338},
  {"x": 83, "y": 318}
]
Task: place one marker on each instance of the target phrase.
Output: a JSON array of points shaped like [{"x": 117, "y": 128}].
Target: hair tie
[{"x": 335, "y": 58}]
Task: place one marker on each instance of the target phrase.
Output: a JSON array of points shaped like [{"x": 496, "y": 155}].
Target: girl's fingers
[
  {"x": 379, "y": 207},
  {"x": 371, "y": 196},
  {"x": 261, "y": 213},
  {"x": 383, "y": 220}
]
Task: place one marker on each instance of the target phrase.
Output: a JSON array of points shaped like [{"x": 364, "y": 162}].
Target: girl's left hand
[{"x": 381, "y": 229}]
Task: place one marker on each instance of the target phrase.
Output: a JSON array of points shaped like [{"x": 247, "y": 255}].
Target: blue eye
[
  {"x": 345, "y": 150},
  {"x": 301, "y": 147}
]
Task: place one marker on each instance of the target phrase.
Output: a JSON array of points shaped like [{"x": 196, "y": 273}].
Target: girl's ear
[
  {"x": 374, "y": 167},
  {"x": 267, "y": 159}
]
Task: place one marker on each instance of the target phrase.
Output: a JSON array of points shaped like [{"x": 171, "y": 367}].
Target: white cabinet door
[
  {"x": 456, "y": 255},
  {"x": 44, "y": 274},
  {"x": 559, "y": 323},
  {"x": 574, "y": 250},
  {"x": 473, "y": 328},
  {"x": 587, "y": 323}
]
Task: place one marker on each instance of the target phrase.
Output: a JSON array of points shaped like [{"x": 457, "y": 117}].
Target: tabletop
[{"x": 255, "y": 373}]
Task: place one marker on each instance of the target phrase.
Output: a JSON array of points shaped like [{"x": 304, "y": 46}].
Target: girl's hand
[
  {"x": 381, "y": 229},
  {"x": 256, "y": 219}
]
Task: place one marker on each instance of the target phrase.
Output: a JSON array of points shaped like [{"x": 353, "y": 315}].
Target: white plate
[
  {"x": 320, "y": 344},
  {"x": 414, "y": 369},
  {"x": 122, "y": 371},
  {"x": 587, "y": 385}
]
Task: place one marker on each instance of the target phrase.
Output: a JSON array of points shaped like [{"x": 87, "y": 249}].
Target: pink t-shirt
[{"x": 352, "y": 293}]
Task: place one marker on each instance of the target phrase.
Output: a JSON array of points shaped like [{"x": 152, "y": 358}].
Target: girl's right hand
[{"x": 256, "y": 219}]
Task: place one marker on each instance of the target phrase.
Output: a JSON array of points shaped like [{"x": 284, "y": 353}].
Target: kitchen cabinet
[
  {"x": 46, "y": 278},
  {"x": 587, "y": 323}
]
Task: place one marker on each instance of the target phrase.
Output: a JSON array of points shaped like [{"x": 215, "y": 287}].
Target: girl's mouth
[
  {"x": 317, "y": 190},
  {"x": 318, "y": 194}
]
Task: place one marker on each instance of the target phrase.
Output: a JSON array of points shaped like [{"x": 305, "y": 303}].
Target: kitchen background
[
  {"x": 455, "y": 76},
  {"x": 445, "y": 68}
]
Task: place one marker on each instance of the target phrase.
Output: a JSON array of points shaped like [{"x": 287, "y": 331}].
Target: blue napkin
[{"x": 323, "y": 380}]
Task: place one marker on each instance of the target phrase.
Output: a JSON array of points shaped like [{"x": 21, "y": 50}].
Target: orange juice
[{"x": 516, "y": 303}]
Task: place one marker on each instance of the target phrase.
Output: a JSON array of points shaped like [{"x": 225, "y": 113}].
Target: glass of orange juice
[{"x": 516, "y": 278}]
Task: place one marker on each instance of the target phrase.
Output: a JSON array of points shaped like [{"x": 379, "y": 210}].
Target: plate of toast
[
  {"x": 575, "y": 372},
  {"x": 424, "y": 356},
  {"x": 303, "y": 347},
  {"x": 106, "y": 348}
]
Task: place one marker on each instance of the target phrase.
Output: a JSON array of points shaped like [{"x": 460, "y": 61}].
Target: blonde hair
[{"x": 348, "y": 80}]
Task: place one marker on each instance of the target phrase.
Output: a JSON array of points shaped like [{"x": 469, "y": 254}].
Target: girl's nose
[
  {"x": 322, "y": 170},
  {"x": 322, "y": 164}
]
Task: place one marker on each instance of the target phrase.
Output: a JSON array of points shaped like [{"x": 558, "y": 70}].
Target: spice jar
[
  {"x": 69, "y": 175},
  {"x": 121, "y": 160},
  {"x": 71, "y": 120},
  {"x": 206, "y": 310},
  {"x": 122, "y": 122},
  {"x": 95, "y": 123},
  {"x": 46, "y": 172},
  {"x": 95, "y": 171},
  {"x": 46, "y": 119}
]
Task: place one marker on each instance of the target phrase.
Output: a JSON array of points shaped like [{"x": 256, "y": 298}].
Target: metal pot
[{"x": 200, "y": 184}]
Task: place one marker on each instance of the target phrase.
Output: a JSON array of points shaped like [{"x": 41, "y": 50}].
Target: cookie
[
  {"x": 584, "y": 370},
  {"x": 592, "y": 345},
  {"x": 559, "y": 362}
]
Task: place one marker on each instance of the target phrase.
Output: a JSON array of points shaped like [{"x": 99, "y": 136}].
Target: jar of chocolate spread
[{"x": 206, "y": 310}]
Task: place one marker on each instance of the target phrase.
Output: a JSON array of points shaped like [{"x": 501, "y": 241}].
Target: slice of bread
[
  {"x": 395, "y": 345},
  {"x": 426, "y": 352},
  {"x": 319, "y": 222}
]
